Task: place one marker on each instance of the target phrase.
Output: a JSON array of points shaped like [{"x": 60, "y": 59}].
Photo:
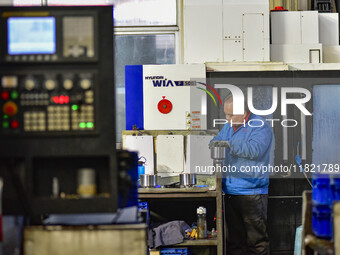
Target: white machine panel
[
  {"x": 309, "y": 27},
  {"x": 331, "y": 54},
  {"x": 243, "y": 16},
  {"x": 185, "y": 105},
  {"x": 143, "y": 145},
  {"x": 285, "y": 28},
  {"x": 233, "y": 50},
  {"x": 170, "y": 155},
  {"x": 329, "y": 28},
  {"x": 198, "y": 158},
  {"x": 295, "y": 37},
  {"x": 253, "y": 32},
  {"x": 295, "y": 53},
  {"x": 202, "y": 25},
  {"x": 294, "y": 27}
]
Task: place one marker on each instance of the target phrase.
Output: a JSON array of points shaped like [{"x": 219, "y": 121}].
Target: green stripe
[{"x": 208, "y": 94}]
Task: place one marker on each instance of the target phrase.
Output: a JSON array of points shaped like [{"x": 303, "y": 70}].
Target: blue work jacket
[{"x": 244, "y": 170}]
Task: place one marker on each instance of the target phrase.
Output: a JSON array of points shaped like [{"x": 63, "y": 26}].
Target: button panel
[
  {"x": 58, "y": 118},
  {"x": 54, "y": 104},
  {"x": 83, "y": 118}
]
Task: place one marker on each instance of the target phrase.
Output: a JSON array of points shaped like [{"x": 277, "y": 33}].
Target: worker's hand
[{"x": 219, "y": 144}]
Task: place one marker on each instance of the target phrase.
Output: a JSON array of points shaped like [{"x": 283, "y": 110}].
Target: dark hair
[{"x": 229, "y": 97}]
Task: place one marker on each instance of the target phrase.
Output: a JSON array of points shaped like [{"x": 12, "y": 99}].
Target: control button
[
  {"x": 75, "y": 107},
  {"x": 14, "y": 95},
  {"x": 9, "y": 81},
  {"x": 9, "y": 58},
  {"x": 47, "y": 57},
  {"x": 5, "y": 124},
  {"x": 89, "y": 125},
  {"x": 68, "y": 84},
  {"x": 10, "y": 108},
  {"x": 29, "y": 84},
  {"x": 90, "y": 53},
  {"x": 85, "y": 84},
  {"x": 54, "y": 57},
  {"x": 31, "y": 57},
  {"x": 50, "y": 84},
  {"x": 89, "y": 100},
  {"x": 89, "y": 93},
  {"x": 75, "y": 51},
  {"x": 14, "y": 124},
  {"x": 24, "y": 58},
  {"x": 4, "y": 95}
]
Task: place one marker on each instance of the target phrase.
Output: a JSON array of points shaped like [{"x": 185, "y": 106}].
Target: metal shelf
[
  {"x": 199, "y": 242},
  {"x": 170, "y": 194}
]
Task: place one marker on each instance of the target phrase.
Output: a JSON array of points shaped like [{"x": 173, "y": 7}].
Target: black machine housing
[{"x": 64, "y": 105}]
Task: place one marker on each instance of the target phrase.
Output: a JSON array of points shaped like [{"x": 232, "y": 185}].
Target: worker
[{"x": 246, "y": 189}]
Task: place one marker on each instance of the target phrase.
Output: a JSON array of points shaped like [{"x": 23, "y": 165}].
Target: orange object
[{"x": 10, "y": 108}]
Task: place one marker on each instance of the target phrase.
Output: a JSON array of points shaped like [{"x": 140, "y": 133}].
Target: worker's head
[{"x": 237, "y": 119}]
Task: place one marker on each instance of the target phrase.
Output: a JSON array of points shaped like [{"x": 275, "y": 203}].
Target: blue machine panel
[{"x": 134, "y": 97}]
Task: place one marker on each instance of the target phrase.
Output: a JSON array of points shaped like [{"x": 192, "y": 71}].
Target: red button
[
  {"x": 164, "y": 106},
  {"x": 15, "y": 124},
  {"x": 10, "y": 108},
  {"x": 4, "y": 95}
]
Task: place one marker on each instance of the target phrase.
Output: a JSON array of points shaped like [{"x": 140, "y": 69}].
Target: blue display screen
[{"x": 31, "y": 35}]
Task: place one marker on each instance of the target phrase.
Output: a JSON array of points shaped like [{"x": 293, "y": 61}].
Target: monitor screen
[{"x": 31, "y": 35}]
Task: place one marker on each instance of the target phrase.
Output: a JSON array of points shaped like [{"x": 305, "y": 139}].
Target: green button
[
  {"x": 14, "y": 95},
  {"x": 5, "y": 124},
  {"x": 75, "y": 107},
  {"x": 82, "y": 125},
  {"x": 5, "y": 116},
  {"x": 89, "y": 125}
]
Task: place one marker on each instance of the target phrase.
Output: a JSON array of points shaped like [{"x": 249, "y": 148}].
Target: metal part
[
  {"x": 187, "y": 180},
  {"x": 218, "y": 153},
  {"x": 87, "y": 182},
  {"x": 55, "y": 187},
  {"x": 148, "y": 180}
]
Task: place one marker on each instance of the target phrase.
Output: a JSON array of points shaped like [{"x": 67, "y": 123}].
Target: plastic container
[
  {"x": 322, "y": 221},
  {"x": 201, "y": 222},
  {"x": 175, "y": 251},
  {"x": 321, "y": 190},
  {"x": 141, "y": 170}
]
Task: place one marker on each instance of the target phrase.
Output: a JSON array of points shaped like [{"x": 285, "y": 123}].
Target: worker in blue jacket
[{"x": 245, "y": 179}]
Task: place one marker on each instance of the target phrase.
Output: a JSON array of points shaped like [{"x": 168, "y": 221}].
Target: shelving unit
[
  {"x": 179, "y": 193},
  {"x": 194, "y": 193}
]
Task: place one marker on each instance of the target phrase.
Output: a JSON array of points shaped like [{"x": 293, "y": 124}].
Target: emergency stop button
[
  {"x": 10, "y": 108},
  {"x": 164, "y": 106}
]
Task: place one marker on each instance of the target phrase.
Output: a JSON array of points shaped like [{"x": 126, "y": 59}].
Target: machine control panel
[
  {"x": 52, "y": 103},
  {"x": 48, "y": 37}
]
